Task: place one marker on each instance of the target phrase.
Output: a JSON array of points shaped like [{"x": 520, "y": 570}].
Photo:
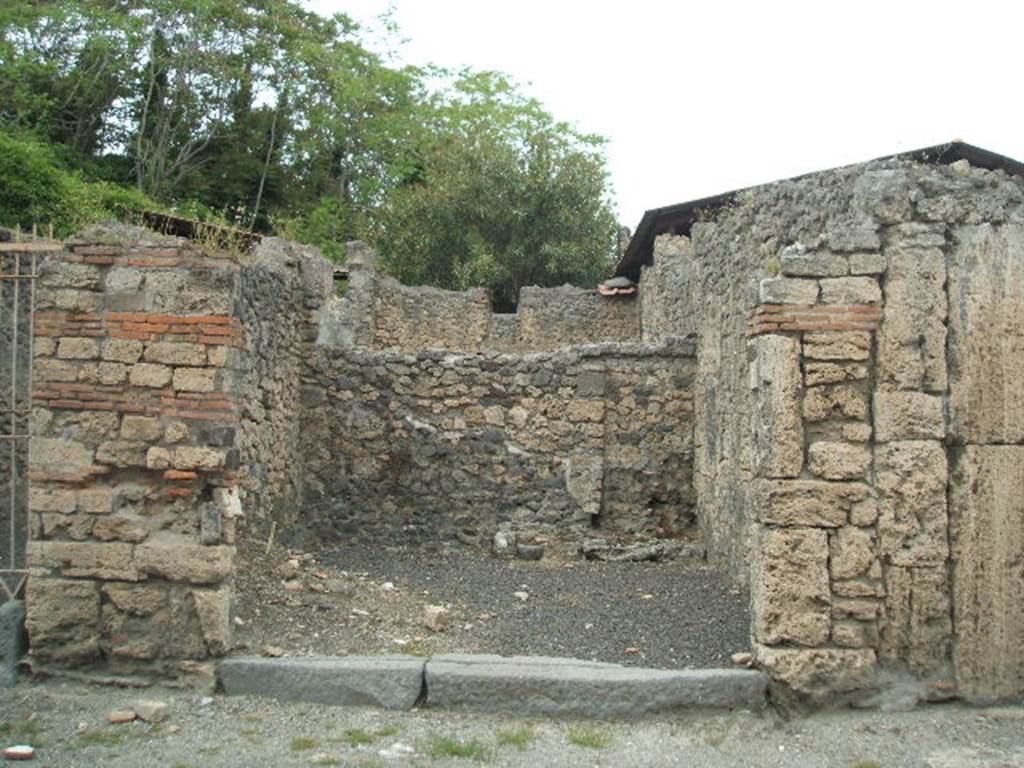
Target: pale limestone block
[
  {"x": 800, "y": 263},
  {"x": 835, "y": 402},
  {"x": 986, "y": 334},
  {"x": 111, "y": 374},
  {"x": 54, "y": 370},
  {"x": 53, "y": 454},
  {"x": 866, "y": 263},
  {"x": 176, "y": 558},
  {"x": 785, "y": 290},
  {"x": 136, "y": 599},
  {"x": 176, "y": 432},
  {"x": 913, "y": 522},
  {"x": 816, "y": 373},
  {"x": 854, "y": 238},
  {"x": 97, "y": 500},
  {"x": 122, "y": 350},
  {"x": 85, "y": 559},
  {"x": 819, "y": 674},
  {"x": 43, "y": 346},
  {"x": 855, "y": 432},
  {"x": 51, "y": 499},
  {"x": 850, "y": 290},
  {"x": 195, "y": 379},
  {"x": 779, "y": 435},
  {"x": 63, "y": 619},
  {"x": 838, "y": 461},
  {"x": 851, "y": 634},
  {"x": 817, "y": 503},
  {"x": 121, "y": 527},
  {"x": 144, "y": 428},
  {"x": 790, "y": 589},
  {"x": 121, "y": 453},
  {"x": 861, "y": 609},
  {"x": 987, "y": 526},
  {"x": 158, "y": 457},
  {"x": 213, "y": 607},
  {"x": 917, "y": 626},
  {"x": 149, "y": 375},
  {"x": 908, "y": 416},
  {"x": 853, "y": 553},
  {"x": 912, "y": 336},
  {"x": 77, "y": 348},
  {"x": 837, "y": 345},
  {"x": 197, "y": 457},
  {"x": 176, "y": 353}
]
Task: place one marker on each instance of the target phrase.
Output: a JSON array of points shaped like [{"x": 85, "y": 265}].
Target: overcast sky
[{"x": 701, "y": 98}]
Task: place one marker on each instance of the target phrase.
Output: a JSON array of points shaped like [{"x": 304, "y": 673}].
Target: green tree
[{"x": 499, "y": 194}]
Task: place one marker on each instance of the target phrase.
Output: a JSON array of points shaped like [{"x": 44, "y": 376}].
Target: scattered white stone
[
  {"x": 206, "y": 701},
  {"x": 504, "y": 542},
  {"x": 436, "y": 618},
  {"x": 273, "y": 651},
  {"x": 19, "y": 752},
  {"x": 151, "y": 711},
  {"x": 239, "y": 621},
  {"x": 292, "y": 586},
  {"x": 742, "y": 659},
  {"x": 360, "y": 612},
  {"x": 82, "y": 727},
  {"x": 387, "y": 586},
  {"x": 524, "y": 596},
  {"x": 119, "y": 716},
  {"x": 396, "y": 750}
]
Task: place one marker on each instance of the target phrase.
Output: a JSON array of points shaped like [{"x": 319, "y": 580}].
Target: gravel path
[
  {"x": 669, "y": 615},
  {"x": 67, "y": 724},
  {"x": 358, "y": 600}
]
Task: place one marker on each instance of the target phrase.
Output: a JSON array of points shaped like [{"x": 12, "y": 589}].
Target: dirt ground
[
  {"x": 363, "y": 600},
  {"x": 67, "y": 724}
]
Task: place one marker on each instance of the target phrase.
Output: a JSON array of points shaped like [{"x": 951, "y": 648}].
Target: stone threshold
[{"x": 521, "y": 685}]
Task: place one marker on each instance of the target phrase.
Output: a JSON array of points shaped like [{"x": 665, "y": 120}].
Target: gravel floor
[
  {"x": 361, "y": 600},
  {"x": 67, "y": 724}
]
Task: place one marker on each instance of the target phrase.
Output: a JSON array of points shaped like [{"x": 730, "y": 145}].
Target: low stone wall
[
  {"x": 440, "y": 445},
  {"x": 378, "y": 312}
]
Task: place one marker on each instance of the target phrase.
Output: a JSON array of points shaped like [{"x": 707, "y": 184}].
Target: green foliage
[
  {"x": 589, "y": 738},
  {"x": 303, "y": 743},
  {"x": 449, "y": 746},
  {"x": 34, "y": 188},
  {"x": 519, "y": 738},
  {"x": 502, "y": 196},
  {"x": 267, "y": 116}
]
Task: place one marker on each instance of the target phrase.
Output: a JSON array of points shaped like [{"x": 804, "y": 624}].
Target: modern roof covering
[{"x": 677, "y": 219}]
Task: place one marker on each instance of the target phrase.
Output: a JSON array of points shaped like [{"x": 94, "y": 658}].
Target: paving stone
[
  {"x": 537, "y": 685},
  {"x": 392, "y": 682}
]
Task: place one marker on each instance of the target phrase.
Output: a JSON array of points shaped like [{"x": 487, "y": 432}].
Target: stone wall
[
  {"x": 440, "y": 445},
  {"x": 874, "y": 431},
  {"x": 157, "y": 416},
  {"x": 134, "y": 467},
  {"x": 378, "y": 312}
]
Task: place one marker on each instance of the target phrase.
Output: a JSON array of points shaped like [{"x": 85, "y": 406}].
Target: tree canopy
[{"x": 276, "y": 119}]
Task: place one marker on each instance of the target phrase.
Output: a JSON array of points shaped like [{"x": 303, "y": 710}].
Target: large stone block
[
  {"x": 797, "y": 262},
  {"x": 195, "y": 379},
  {"x": 837, "y": 345},
  {"x": 852, "y": 553},
  {"x": 835, "y": 402},
  {"x": 149, "y": 375},
  {"x": 779, "y": 436},
  {"x": 122, "y": 350},
  {"x": 176, "y": 353},
  {"x": 912, "y": 337},
  {"x": 987, "y": 524},
  {"x": 786, "y": 290},
  {"x": 77, "y": 348},
  {"x": 850, "y": 290},
  {"x": 84, "y": 559},
  {"x": 913, "y": 524},
  {"x": 176, "y": 558},
  {"x": 540, "y": 686},
  {"x": 908, "y": 416},
  {"x": 819, "y": 674},
  {"x": 63, "y": 619},
  {"x": 50, "y": 454},
  {"x": 838, "y": 461},
  {"x": 790, "y": 586},
  {"x": 816, "y": 373},
  {"x": 813, "y": 503},
  {"x": 213, "y": 607},
  {"x": 986, "y": 334},
  {"x": 917, "y": 626},
  {"x": 392, "y": 682}
]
